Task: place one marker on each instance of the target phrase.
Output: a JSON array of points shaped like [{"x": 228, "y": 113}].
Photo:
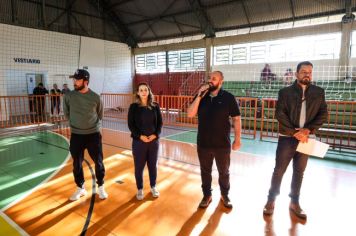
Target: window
[
  {"x": 199, "y": 57},
  {"x": 186, "y": 60},
  {"x": 313, "y": 47},
  {"x": 153, "y": 62},
  {"x": 239, "y": 54},
  {"x": 222, "y": 55},
  {"x": 277, "y": 52},
  {"x": 353, "y": 44},
  {"x": 257, "y": 53}
]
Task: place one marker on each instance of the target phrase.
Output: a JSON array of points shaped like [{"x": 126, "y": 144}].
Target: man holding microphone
[{"x": 214, "y": 107}]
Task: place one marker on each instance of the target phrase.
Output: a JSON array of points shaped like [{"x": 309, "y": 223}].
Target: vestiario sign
[{"x": 27, "y": 60}]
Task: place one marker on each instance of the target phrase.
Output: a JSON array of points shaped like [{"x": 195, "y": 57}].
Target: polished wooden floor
[{"x": 328, "y": 196}]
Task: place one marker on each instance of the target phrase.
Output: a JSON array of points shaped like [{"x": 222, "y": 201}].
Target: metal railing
[
  {"x": 27, "y": 110},
  {"x": 256, "y": 115},
  {"x": 339, "y": 131}
]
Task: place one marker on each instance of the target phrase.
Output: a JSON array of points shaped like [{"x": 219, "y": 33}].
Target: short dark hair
[
  {"x": 220, "y": 73},
  {"x": 304, "y": 63}
]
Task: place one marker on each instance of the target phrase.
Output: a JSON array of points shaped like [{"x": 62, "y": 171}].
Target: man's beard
[
  {"x": 305, "y": 81},
  {"x": 79, "y": 88},
  {"x": 212, "y": 87}
]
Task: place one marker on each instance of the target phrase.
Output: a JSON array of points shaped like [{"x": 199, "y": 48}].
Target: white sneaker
[
  {"x": 101, "y": 192},
  {"x": 139, "y": 194},
  {"x": 155, "y": 192},
  {"x": 80, "y": 192}
]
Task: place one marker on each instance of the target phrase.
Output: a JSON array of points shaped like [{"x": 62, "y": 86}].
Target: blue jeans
[
  {"x": 222, "y": 159},
  {"x": 286, "y": 151},
  {"x": 145, "y": 153}
]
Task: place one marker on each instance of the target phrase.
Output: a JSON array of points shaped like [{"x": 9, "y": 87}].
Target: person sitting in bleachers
[
  {"x": 266, "y": 74},
  {"x": 288, "y": 77}
]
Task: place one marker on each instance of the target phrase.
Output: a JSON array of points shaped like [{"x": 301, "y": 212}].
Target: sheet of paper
[{"x": 313, "y": 148}]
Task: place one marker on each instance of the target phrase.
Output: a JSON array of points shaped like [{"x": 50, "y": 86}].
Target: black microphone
[{"x": 204, "y": 91}]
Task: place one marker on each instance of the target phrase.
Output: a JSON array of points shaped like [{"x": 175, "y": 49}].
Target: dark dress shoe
[
  {"x": 297, "y": 210},
  {"x": 205, "y": 202},
  {"x": 268, "y": 209},
  {"x": 226, "y": 200}
]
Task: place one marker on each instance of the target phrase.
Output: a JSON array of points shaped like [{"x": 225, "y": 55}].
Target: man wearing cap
[{"x": 84, "y": 110}]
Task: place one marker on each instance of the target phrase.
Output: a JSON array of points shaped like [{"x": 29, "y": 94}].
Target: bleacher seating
[{"x": 334, "y": 90}]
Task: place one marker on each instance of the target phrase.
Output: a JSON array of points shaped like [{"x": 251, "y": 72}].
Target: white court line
[
  {"x": 13, "y": 224},
  {"x": 171, "y": 135},
  {"x": 121, "y": 131}
]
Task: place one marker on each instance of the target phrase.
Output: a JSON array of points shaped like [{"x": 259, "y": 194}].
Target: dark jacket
[
  {"x": 134, "y": 118},
  {"x": 289, "y": 106}
]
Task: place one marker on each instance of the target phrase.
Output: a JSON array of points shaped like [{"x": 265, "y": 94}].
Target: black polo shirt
[{"x": 214, "y": 120}]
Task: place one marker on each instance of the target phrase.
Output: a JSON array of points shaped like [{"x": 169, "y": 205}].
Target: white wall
[
  {"x": 109, "y": 63},
  {"x": 57, "y": 52}
]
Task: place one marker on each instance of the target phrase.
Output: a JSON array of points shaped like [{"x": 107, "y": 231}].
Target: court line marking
[
  {"x": 41, "y": 183},
  {"x": 183, "y": 132},
  {"x": 13, "y": 224},
  {"x": 92, "y": 199}
]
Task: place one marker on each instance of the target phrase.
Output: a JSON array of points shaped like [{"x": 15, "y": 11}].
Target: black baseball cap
[{"x": 80, "y": 74}]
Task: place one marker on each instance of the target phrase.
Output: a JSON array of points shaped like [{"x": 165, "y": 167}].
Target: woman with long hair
[{"x": 145, "y": 124}]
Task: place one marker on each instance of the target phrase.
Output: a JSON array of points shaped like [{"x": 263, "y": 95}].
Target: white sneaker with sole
[
  {"x": 139, "y": 194},
  {"x": 155, "y": 192},
  {"x": 101, "y": 192},
  {"x": 80, "y": 192}
]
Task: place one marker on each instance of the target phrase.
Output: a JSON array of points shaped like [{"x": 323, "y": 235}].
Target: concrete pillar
[
  {"x": 208, "y": 55},
  {"x": 345, "y": 46}
]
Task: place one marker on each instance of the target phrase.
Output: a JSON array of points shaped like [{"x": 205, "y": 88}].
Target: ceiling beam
[
  {"x": 48, "y": 5},
  {"x": 14, "y": 18},
  {"x": 69, "y": 6},
  {"x": 69, "y": 14},
  {"x": 206, "y": 26},
  {"x": 290, "y": 19},
  {"x": 124, "y": 33},
  {"x": 206, "y": 7},
  {"x": 80, "y": 25},
  {"x": 292, "y": 7},
  {"x": 245, "y": 12},
  {"x": 43, "y": 13},
  {"x": 168, "y": 20},
  {"x": 177, "y": 24},
  {"x": 120, "y": 3},
  {"x": 156, "y": 19}
]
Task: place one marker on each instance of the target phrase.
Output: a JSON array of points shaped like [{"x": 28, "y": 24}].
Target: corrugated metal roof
[{"x": 134, "y": 21}]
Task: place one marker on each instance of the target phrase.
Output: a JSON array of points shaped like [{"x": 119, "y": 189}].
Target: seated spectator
[
  {"x": 266, "y": 74},
  {"x": 288, "y": 77}
]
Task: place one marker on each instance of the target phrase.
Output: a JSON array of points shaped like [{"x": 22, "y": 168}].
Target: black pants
[
  {"x": 91, "y": 142},
  {"x": 222, "y": 160},
  {"x": 286, "y": 151},
  {"x": 55, "y": 106},
  {"x": 145, "y": 153}
]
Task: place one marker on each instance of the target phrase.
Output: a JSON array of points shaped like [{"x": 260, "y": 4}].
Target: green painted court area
[{"x": 26, "y": 161}]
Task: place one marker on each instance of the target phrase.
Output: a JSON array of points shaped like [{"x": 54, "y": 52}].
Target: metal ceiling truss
[
  {"x": 124, "y": 34},
  {"x": 206, "y": 27},
  {"x": 66, "y": 10},
  {"x": 156, "y": 20}
]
